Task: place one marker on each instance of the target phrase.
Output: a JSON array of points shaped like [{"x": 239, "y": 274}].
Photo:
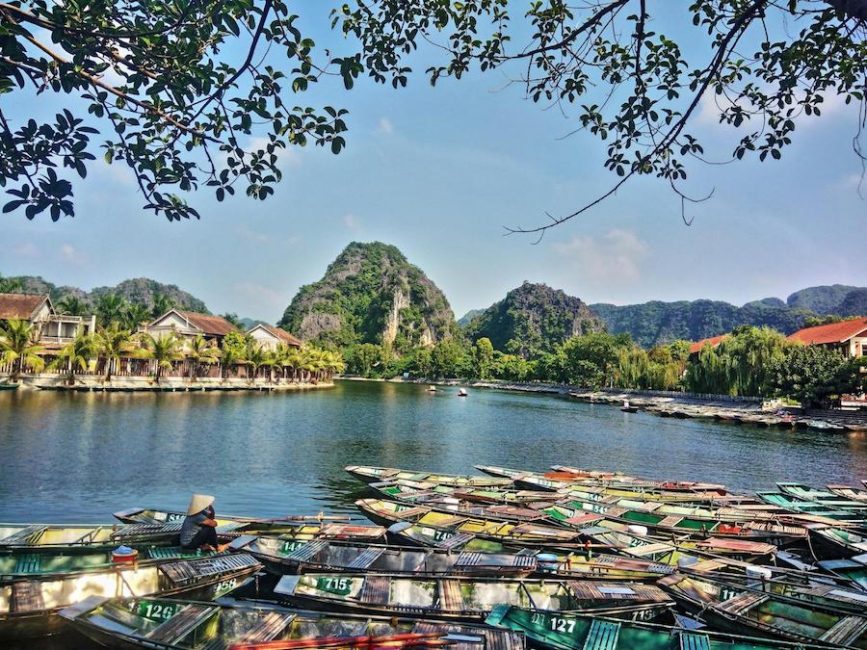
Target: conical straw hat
[{"x": 199, "y": 502}]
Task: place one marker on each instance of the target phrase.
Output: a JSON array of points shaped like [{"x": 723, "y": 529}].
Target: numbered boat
[
  {"x": 191, "y": 625},
  {"x": 422, "y": 492},
  {"x": 468, "y": 599},
  {"x": 826, "y": 497},
  {"x": 795, "y": 504},
  {"x": 28, "y": 606},
  {"x": 831, "y": 542},
  {"x": 369, "y": 474},
  {"x": 820, "y": 620}
]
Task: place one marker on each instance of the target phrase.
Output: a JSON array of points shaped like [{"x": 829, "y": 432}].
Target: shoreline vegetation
[{"x": 721, "y": 408}]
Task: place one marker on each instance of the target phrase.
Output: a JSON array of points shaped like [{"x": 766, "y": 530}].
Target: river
[{"x": 79, "y": 457}]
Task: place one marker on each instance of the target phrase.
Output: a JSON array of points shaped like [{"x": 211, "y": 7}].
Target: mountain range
[{"x": 372, "y": 294}]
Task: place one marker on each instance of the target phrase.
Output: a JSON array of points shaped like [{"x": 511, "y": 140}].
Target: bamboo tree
[{"x": 18, "y": 346}]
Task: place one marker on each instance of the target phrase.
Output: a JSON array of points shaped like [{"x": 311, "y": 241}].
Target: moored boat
[
  {"x": 829, "y": 542},
  {"x": 370, "y": 474},
  {"x": 848, "y": 492},
  {"x": 825, "y": 497},
  {"x": 192, "y": 625},
  {"x": 28, "y": 605},
  {"x": 568, "y": 631},
  {"x": 468, "y": 599}
]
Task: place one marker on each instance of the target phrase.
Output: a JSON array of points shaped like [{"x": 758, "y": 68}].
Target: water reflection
[{"x": 78, "y": 457}]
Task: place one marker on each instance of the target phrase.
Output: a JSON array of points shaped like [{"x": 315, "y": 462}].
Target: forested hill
[
  {"x": 142, "y": 291},
  {"x": 371, "y": 294},
  {"x": 533, "y": 318}
]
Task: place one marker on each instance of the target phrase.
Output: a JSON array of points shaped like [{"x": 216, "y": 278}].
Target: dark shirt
[{"x": 192, "y": 524}]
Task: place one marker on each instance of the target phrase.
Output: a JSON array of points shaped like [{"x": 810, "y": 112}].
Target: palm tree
[
  {"x": 312, "y": 363},
  {"x": 18, "y": 346},
  {"x": 76, "y": 355},
  {"x": 163, "y": 350},
  {"x": 294, "y": 359},
  {"x": 134, "y": 315},
  {"x": 72, "y": 305},
  {"x": 110, "y": 308},
  {"x": 280, "y": 356},
  {"x": 111, "y": 344},
  {"x": 334, "y": 363},
  {"x": 257, "y": 357},
  {"x": 230, "y": 355},
  {"x": 199, "y": 352},
  {"x": 161, "y": 304}
]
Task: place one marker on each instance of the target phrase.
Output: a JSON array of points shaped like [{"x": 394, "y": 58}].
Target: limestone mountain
[
  {"x": 371, "y": 294},
  {"x": 533, "y": 318},
  {"x": 826, "y": 300},
  {"x": 138, "y": 290}
]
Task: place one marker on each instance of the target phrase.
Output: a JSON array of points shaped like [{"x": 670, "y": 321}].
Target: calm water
[{"x": 79, "y": 457}]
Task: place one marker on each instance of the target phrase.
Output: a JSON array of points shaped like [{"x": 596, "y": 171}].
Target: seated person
[{"x": 199, "y": 530}]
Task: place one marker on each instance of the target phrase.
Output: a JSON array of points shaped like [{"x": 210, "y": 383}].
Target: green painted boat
[
  {"x": 826, "y": 619},
  {"x": 794, "y": 504},
  {"x": 28, "y": 606},
  {"x": 370, "y": 474},
  {"x": 852, "y": 570},
  {"x": 468, "y": 599},
  {"x": 190, "y": 625},
  {"x": 830, "y": 542},
  {"x": 825, "y": 497},
  {"x": 849, "y": 492},
  {"x": 566, "y": 631},
  {"x": 424, "y": 492},
  {"x": 9, "y": 386}
]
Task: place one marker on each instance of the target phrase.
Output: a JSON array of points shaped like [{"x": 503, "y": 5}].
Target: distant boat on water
[
  {"x": 627, "y": 408},
  {"x": 431, "y": 389},
  {"x": 462, "y": 392}
]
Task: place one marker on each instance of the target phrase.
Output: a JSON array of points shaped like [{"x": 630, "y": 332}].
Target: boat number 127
[{"x": 563, "y": 625}]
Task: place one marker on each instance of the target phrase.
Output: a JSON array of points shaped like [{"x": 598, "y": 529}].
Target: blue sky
[{"x": 439, "y": 172}]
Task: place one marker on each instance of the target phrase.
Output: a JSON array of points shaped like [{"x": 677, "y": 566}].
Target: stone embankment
[{"x": 93, "y": 384}]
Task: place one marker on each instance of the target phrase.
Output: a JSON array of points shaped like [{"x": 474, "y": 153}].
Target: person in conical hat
[{"x": 199, "y": 530}]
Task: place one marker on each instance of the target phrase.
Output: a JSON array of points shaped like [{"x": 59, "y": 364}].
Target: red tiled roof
[
  {"x": 213, "y": 325},
  {"x": 283, "y": 335},
  {"x": 831, "y": 333},
  {"x": 18, "y": 305},
  {"x": 712, "y": 341}
]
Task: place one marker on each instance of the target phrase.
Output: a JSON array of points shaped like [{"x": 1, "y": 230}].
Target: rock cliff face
[
  {"x": 371, "y": 294},
  {"x": 533, "y": 318}
]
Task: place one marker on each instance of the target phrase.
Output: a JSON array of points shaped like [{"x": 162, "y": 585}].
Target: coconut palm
[
  {"x": 135, "y": 314},
  {"x": 163, "y": 350},
  {"x": 200, "y": 352},
  {"x": 334, "y": 363},
  {"x": 110, "y": 308},
  {"x": 72, "y": 305},
  {"x": 112, "y": 343},
  {"x": 18, "y": 346},
  {"x": 76, "y": 355},
  {"x": 230, "y": 356},
  {"x": 161, "y": 304},
  {"x": 257, "y": 357},
  {"x": 294, "y": 359},
  {"x": 280, "y": 356}
]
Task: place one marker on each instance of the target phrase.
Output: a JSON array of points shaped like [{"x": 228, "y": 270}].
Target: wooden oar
[{"x": 409, "y": 639}]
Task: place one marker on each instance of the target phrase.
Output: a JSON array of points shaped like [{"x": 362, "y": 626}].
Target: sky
[{"x": 439, "y": 172}]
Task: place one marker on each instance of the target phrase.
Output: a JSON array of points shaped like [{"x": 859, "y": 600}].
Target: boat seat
[
  {"x": 670, "y": 521},
  {"x": 184, "y": 571},
  {"x": 307, "y": 551},
  {"x": 28, "y": 563},
  {"x": 846, "y": 631},
  {"x": 23, "y": 536},
  {"x": 26, "y": 596},
  {"x": 451, "y": 599},
  {"x": 455, "y": 541},
  {"x": 375, "y": 590},
  {"x": 742, "y": 602},
  {"x": 603, "y": 635},
  {"x": 269, "y": 627},
  {"x": 89, "y": 536},
  {"x": 140, "y": 530},
  {"x": 181, "y": 624},
  {"x": 694, "y": 641},
  {"x": 365, "y": 559}
]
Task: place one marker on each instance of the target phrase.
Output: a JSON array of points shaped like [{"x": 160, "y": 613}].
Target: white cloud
[
  {"x": 26, "y": 249},
  {"x": 616, "y": 255},
  {"x": 351, "y": 221},
  {"x": 385, "y": 126},
  {"x": 71, "y": 255},
  {"x": 260, "y": 295},
  {"x": 711, "y": 106},
  {"x": 288, "y": 157}
]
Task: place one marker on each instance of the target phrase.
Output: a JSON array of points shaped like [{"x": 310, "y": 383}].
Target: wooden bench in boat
[
  {"x": 365, "y": 559},
  {"x": 450, "y": 596},
  {"x": 140, "y": 530},
  {"x": 694, "y": 641},
  {"x": 307, "y": 551},
  {"x": 178, "y": 626},
  {"x": 267, "y": 629},
  {"x": 470, "y": 559},
  {"x": 185, "y": 572},
  {"x": 26, "y": 597},
  {"x": 459, "y": 539},
  {"x": 846, "y": 631},
  {"x": 375, "y": 590},
  {"x": 603, "y": 635},
  {"x": 742, "y": 602},
  {"x": 670, "y": 521},
  {"x": 23, "y": 536}
]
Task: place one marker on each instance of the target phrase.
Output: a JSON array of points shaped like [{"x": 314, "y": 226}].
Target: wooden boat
[
  {"x": 568, "y": 631},
  {"x": 426, "y": 527},
  {"x": 624, "y": 491},
  {"x": 810, "y": 507},
  {"x": 28, "y": 605},
  {"x": 8, "y": 386},
  {"x": 828, "y": 542},
  {"x": 288, "y": 523},
  {"x": 825, "y": 497},
  {"x": 817, "y": 621},
  {"x": 320, "y": 556},
  {"x": 468, "y": 599},
  {"x": 192, "y": 625},
  {"x": 422, "y": 492},
  {"x": 462, "y": 392},
  {"x": 849, "y": 492},
  {"x": 18, "y": 565},
  {"x": 661, "y": 520},
  {"x": 852, "y": 570},
  {"x": 370, "y": 474},
  {"x": 49, "y": 538}
]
